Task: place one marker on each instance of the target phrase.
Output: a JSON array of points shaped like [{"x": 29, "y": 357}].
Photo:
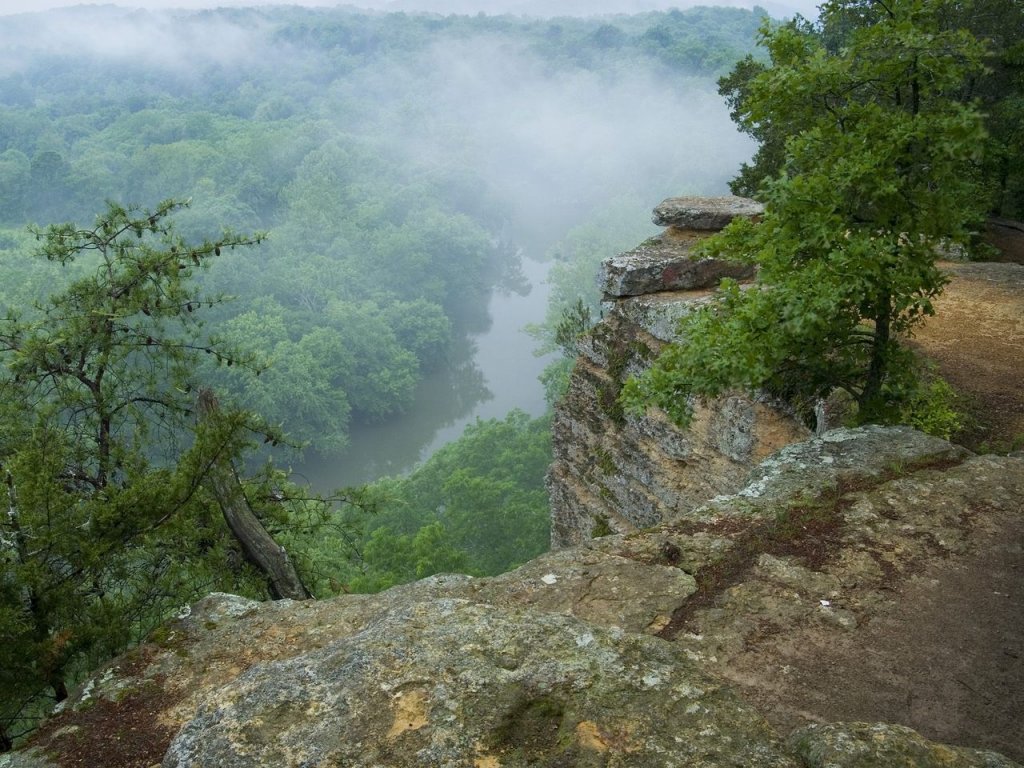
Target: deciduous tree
[{"x": 877, "y": 180}]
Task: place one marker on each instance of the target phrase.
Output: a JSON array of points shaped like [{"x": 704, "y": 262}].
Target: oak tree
[{"x": 876, "y": 182}]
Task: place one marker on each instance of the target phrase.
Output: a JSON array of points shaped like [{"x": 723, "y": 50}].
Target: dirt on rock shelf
[
  {"x": 947, "y": 656},
  {"x": 977, "y": 341}
]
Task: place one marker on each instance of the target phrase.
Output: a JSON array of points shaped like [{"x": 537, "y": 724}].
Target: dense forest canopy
[{"x": 399, "y": 162}]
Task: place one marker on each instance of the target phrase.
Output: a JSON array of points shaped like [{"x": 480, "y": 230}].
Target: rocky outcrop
[
  {"x": 448, "y": 682},
  {"x": 738, "y": 595},
  {"x": 614, "y": 472},
  {"x": 704, "y": 213},
  {"x": 720, "y": 639},
  {"x": 666, "y": 263}
]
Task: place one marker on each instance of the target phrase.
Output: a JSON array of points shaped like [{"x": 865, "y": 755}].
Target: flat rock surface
[
  {"x": 704, "y": 213},
  {"x": 917, "y": 618},
  {"x": 450, "y": 683}
]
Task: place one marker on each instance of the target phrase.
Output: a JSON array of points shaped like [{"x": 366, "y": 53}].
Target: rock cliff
[
  {"x": 760, "y": 597},
  {"x": 613, "y": 472},
  {"x": 720, "y": 639}
]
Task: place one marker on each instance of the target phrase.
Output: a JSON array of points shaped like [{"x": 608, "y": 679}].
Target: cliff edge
[{"x": 738, "y": 594}]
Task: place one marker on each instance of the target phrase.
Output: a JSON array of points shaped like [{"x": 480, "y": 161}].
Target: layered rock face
[
  {"x": 729, "y": 638},
  {"x": 614, "y": 473}
]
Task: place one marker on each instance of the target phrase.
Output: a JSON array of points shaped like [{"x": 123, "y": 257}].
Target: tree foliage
[
  {"x": 476, "y": 506},
  {"x": 110, "y": 523},
  {"x": 997, "y": 89},
  {"x": 875, "y": 182}
]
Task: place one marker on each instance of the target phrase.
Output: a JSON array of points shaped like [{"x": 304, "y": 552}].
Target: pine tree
[{"x": 113, "y": 511}]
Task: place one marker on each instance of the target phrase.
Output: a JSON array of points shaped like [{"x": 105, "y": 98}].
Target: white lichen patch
[
  {"x": 582, "y": 641},
  {"x": 652, "y": 680}
]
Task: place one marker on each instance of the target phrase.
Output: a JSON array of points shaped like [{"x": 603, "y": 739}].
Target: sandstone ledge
[
  {"x": 666, "y": 264},
  {"x": 666, "y": 646},
  {"x": 704, "y": 213}
]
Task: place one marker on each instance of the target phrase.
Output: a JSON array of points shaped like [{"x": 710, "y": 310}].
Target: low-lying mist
[
  {"x": 537, "y": 8},
  {"x": 402, "y": 163},
  {"x": 554, "y": 145},
  {"x": 552, "y": 138}
]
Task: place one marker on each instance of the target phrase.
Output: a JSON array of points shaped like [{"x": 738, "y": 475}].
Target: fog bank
[{"x": 541, "y": 8}]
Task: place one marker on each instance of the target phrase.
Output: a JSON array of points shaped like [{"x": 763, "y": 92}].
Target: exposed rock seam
[{"x": 809, "y": 530}]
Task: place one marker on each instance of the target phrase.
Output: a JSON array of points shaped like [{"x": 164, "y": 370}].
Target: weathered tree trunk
[{"x": 258, "y": 546}]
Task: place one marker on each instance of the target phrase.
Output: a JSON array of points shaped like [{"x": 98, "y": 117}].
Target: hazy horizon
[{"x": 778, "y": 8}]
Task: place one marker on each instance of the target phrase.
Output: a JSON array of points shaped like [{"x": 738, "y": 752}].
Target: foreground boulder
[
  {"x": 447, "y": 682},
  {"x": 867, "y": 575}
]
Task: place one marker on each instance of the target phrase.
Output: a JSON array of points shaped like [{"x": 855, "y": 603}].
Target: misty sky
[{"x": 775, "y": 7}]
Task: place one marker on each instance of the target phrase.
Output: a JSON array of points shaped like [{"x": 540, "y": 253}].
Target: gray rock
[
  {"x": 217, "y": 607},
  {"x": 867, "y": 745},
  {"x": 704, "y": 213},
  {"x": 29, "y": 758},
  {"x": 659, "y": 314},
  {"x": 604, "y": 589},
  {"x": 666, "y": 264},
  {"x": 845, "y": 457},
  {"x": 450, "y": 683}
]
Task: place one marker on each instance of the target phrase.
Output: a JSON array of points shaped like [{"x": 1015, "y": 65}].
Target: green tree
[
  {"x": 15, "y": 170},
  {"x": 48, "y": 185},
  {"x": 998, "y": 90},
  {"x": 115, "y": 487},
  {"x": 877, "y": 181}
]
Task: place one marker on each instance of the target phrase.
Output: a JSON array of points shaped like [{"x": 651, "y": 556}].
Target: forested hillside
[{"x": 398, "y": 162}]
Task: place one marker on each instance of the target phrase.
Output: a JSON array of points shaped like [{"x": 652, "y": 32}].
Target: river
[{"x": 485, "y": 376}]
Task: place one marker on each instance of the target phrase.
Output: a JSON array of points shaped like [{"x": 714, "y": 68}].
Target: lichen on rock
[
  {"x": 452, "y": 683},
  {"x": 867, "y": 745}
]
